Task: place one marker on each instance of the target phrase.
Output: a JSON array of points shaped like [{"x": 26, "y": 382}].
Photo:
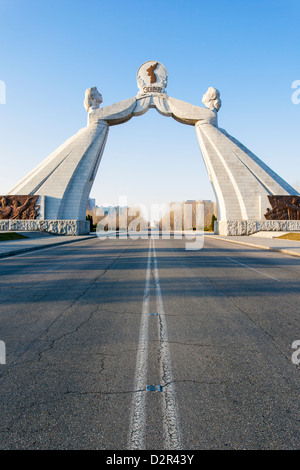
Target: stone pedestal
[
  {"x": 57, "y": 227},
  {"x": 248, "y": 227}
]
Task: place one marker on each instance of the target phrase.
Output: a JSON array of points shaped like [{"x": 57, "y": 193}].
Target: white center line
[
  {"x": 170, "y": 413},
  {"x": 256, "y": 270},
  {"x": 137, "y": 428},
  {"x": 172, "y": 432}
]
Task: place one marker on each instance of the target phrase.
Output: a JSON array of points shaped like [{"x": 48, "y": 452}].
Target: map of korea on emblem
[{"x": 152, "y": 77}]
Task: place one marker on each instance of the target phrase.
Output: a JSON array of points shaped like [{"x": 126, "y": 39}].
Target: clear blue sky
[{"x": 51, "y": 51}]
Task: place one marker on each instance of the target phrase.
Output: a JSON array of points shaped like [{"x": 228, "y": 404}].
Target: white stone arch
[{"x": 241, "y": 181}]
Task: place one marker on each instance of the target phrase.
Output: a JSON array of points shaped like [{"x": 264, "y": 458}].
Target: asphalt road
[{"x": 82, "y": 346}]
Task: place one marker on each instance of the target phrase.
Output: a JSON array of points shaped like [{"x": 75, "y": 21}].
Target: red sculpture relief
[
  {"x": 284, "y": 208},
  {"x": 18, "y": 207}
]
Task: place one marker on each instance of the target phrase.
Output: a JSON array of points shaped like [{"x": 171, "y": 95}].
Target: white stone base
[
  {"x": 248, "y": 227},
  {"x": 58, "y": 227}
]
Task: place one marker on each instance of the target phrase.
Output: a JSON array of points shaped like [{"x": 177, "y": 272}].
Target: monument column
[
  {"x": 65, "y": 178},
  {"x": 220, "y": 168},
  {"x": 241, "y": 181}
]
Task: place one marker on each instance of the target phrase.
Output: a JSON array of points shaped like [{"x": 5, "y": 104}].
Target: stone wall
[
  {"x": 248, "y": 227},
  {"x": 57, "y": 227}
]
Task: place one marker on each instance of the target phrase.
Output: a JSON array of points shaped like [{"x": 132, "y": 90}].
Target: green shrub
[{"x": 213, "y": 219}]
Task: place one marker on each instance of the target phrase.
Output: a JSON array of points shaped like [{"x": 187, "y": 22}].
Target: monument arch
[{"x": 242, "y": 183}]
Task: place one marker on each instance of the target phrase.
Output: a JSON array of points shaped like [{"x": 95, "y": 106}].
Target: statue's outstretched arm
[
  {"x": 115, "y": 114},
  {"x": 189, "y": 114}
]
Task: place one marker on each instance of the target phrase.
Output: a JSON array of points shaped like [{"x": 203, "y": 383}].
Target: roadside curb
[
  {"x": 42, "y": 247},
  {"x": 261, "y": 247}
]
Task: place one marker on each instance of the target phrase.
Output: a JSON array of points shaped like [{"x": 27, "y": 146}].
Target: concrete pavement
[
  {"x": 14, "y": 247},
  {"x": 82, "y": 347}
]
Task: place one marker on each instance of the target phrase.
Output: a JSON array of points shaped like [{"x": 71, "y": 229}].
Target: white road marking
[
  {"x": 256, "y": 270},
  {"x": 172, "y": 433},
  {"x": 138, "y": 414},
  {"x": 170, "y": 413}
]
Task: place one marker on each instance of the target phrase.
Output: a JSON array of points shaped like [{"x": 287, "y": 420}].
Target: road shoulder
[{"x": 288, "y": 247}]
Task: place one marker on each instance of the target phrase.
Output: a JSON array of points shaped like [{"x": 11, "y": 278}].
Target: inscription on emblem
[{"x": 152, "y": 89}]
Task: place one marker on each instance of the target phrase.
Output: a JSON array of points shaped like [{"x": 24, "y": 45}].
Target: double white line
[{"x": 137, "y": 431}]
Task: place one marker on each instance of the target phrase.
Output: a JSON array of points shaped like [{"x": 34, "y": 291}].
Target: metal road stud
[{"x": 154, "y": 388}]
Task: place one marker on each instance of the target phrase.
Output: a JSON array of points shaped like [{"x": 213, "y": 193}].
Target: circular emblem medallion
[{"x": 152, "y": 77}]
